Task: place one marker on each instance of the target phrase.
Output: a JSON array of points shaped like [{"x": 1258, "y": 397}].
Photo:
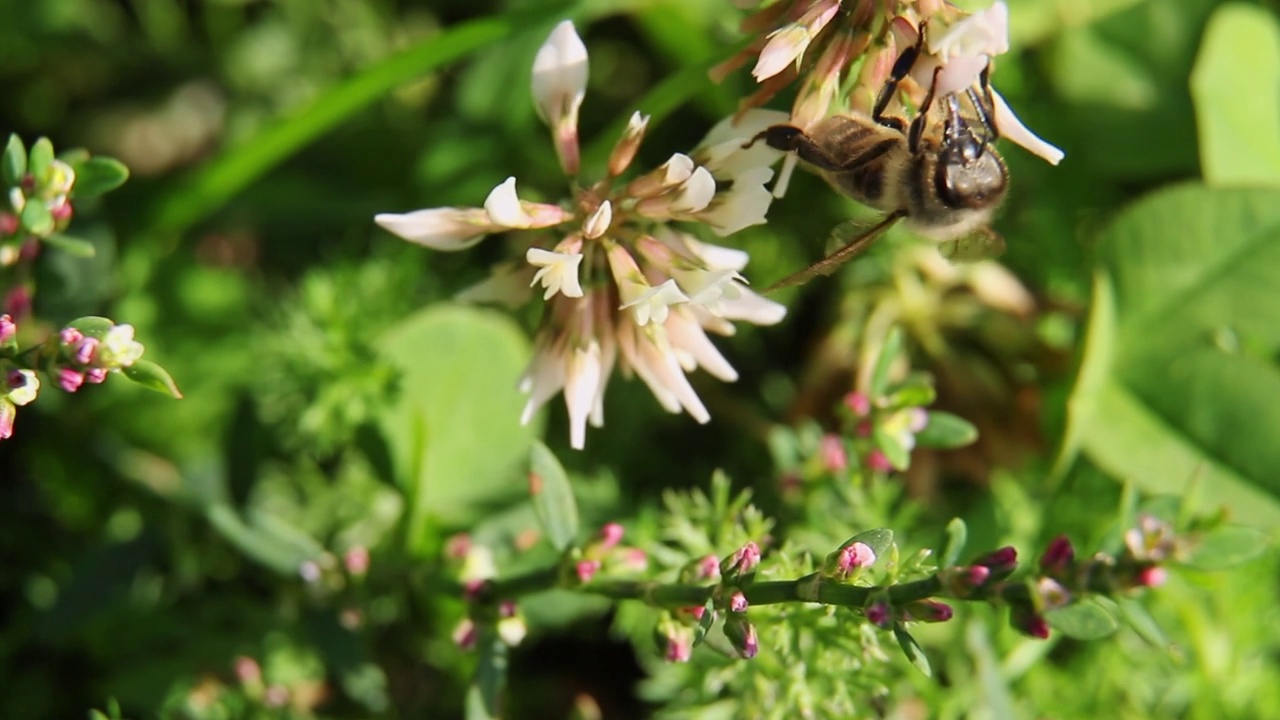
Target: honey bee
[{"x": 942, "y": 176}]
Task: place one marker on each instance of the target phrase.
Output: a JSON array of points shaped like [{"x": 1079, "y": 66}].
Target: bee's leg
[
  {"x": 789, "y": 138},
  {"x": 983, "y": 105},
  {"x": 917, "y": 123},
  {"x": 901, "y": 67}
]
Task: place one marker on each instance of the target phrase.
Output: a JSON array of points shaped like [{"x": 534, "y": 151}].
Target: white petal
[
  {"x": 507, "y": 285},
  {"x": 982, "y": 33},
  {"x": 558, "y": 273},
  {"x": 784, "y": 47},
  {"x": 560, "y": 74},
  {"x": 687, "y": 335},
  {"x": 747, "y": 306},
  {"x": 1013, "y": 129},
  {"x": 582, "y": 383},
  {"x": 446, "y": 229},
  {"x": 599, "y": 222},
  {"x": 745, "y": 204},
  {"x": 541, "y": 380},
  {"x": 677, "y": 170},
  {"x": 696, "y": 193},
  {"x": 717, "y": 257},
  {"x": 503, "y": 206},
  {"x": 721, "y": 150},
  {"x": 655, "y": 302}
]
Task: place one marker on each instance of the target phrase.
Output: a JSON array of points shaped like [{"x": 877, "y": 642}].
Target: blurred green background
[{"x": 146, "y": 544}]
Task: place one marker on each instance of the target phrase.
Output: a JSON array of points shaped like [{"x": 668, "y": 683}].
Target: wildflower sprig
[
  {"x": 40, "y": 193},
  {"x": 626, "y": 285}
]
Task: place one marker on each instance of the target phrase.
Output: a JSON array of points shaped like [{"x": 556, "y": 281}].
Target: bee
[{"x": 942, "y": 176}]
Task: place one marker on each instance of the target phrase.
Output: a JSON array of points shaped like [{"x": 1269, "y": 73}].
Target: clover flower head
[{"x": 627, "y": 286}]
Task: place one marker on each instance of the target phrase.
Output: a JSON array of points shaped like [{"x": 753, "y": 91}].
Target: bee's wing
[
  {"x": 851, "y": 248},
  {"x": 982, "y": 244}
]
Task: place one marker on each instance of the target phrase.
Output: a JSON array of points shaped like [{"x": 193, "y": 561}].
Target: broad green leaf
[
  {"x": 1095, "y": 364},
  {"x": 878, "y": 539},
  {"x": 1083, "y": 620},
  {"x": 957, "y": 535},
  {"x": 15, "y": 162},
  {"x": 553, "y": 498},
  {"x": 71, "y": 245},
  {"x": 1228, "y": 546},
  {"x": 1135, "y": 615},
  {"x": 98, "y": 175},
  {"x": 93, "y": 326},
  {"x": 946, "y": 431},
  {"x": 266, "y": 540},
  {"x": 1121, "y": 86},
  {"x": 893, "y": 449},
  {"x": 153, "y": 377},
  {"x": 36, "y": 218},
  {"x": 40, "y": 159},
  {"x": 912, "y": 649},
  {"x": 1236, "y": 89},
  {"x": 454, "y": 428},
  {"x": 1193, "y": 384}
]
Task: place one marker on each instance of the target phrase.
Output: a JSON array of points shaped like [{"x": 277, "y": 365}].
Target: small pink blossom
[
  {"x": 877, "y": 461},
  {"x": 738, "y": 602},
  {"x": 70, "y": 380},
  {"x": 856, "y": 556},
  {"x": 465, "y": 634},
  {"x": 587, "y": 569},
  {"x": 95, "y": 376},
  {"x": 858, "y": 403},
  {"x": 8, "y": 329},
  {"x": 1153, "y": 576},
  {"x": 834, "y": 456},
  {"x": 878, "y": 614},
  {"x": 356, "y": 560},
  {"x": 611, "y": 534},
  {"x": 85, "y": 349}
]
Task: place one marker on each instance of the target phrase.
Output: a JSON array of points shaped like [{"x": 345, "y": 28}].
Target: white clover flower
[
  {"x": 722, "y": 151},
  {"x": 745, "y": 203},
  {"x": 695, "y": 193},
  {"x": 648, "y": 353},
  {"x": 507, "y": 210},
  {"x": 787, "y": 44},
  {"x": 654, "y": 303},
  {"x": 598, "y": 222},
  {"x": 446, "y": 229},
  {"x": 560, "y": 72},
  {"x": 583, "y": 379},
  {"x": 558, "y": 273}
]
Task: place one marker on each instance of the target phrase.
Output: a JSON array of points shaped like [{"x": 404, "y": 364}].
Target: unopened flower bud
[
  {"x": 598, "y": 222},
  {"x": 854, "y": 557},
  {"x": 559, "y": 85},
  {"x": 674, "y": 641},
  {"x": 85, "y": 349},
  {"x": 633, "y": 560},
  {"x": 466, "y": 634},
  {"x": 858, "y": 403},
  {"x": 7, "y": 413},
  {"x": 708, "y": 568},
  {"x": 610, "y": 535},
  {"x": 356, "y": 560},
  {"x": 742, "y": 634},
  {"x": 1050, "y": 594},
  {"x": 1028, "y": 622},
  {"x": 625, "y": 151},
  {"x": 247, "y": 670},
  {"x": 1001, "y": 562},
  {"x": 9, "y": 224},
  {"x": 877, "y": 461},
  {"x": 834, "y": 457},
  {"x": 930, "y": 611},
  {"x": 18, "y": 302},
  {"x": 8, "y": 330},
  {"x": 61, "y": 213},
  {"x": 738, "y": 602},
  {"x": 457, "y": 546},
  {"x": 95, "y": 376},
  {"x": 744, "y": 560},
  {"x": 879, "y": 614},
  {"x": 69, "y": 337},
  {"x": 70, "y": 380},
  {"x": 512, "y": 628},
  {"x": 1152, "y": 576},
  {"x": 1058, "y": 557},
  {"x": 587, "y": 569}
]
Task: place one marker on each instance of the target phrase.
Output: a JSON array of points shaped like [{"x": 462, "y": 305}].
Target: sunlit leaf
[
  {"x": 553, "y": 500},
  {"x": 1083, "y": 620}
]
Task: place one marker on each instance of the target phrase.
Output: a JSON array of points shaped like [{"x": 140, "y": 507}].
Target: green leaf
[
  {"x": 1095, "y": 364},
  {"x": 911, "y": 395},
  {"x": 957, "y": 536},
  {"x": 1083, "y": 620},
  {"x": 553, "y": 498},
  {"x": 878, "y": 539},
  {"x": 71, "y": 245},
  {"x": 98, "y": 175},
  {"x": 1140, "y": 621},
  {"x": 946, "y": 431},
  {"x": 152, "y": 376},
  {"x": 705, "y": 622},
  {"x": 484, "y": 697},
  {"x": 15, "y": 162},
  {"x": 889, "y": 353},
  {"x": 93, "y": 326},
  {"x": 1228, "y": 546},
  {"x": 912, "y": 649},
  {"x": 893, "y": 449},
  {"x": 1236, "y": 90},
  {"x": 36, "y": 218},
  {"x": 1194, "y": 386},
  {"x": 40, "y": 160},
  {"x": 453, "y": 430}
]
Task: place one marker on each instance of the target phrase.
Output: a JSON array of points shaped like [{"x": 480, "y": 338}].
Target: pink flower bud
[
  {"x": 1027, "y": 621},
  {"x": 1153, "y": 576},
  {"x": 742, "y": 561},
  {"x": 587, "y": 569},
  {"x": 1001, "y": 562},
  {"x": 18, "y": 302},
  {"x": 465, "y": 634},
  {"x": 7, "y": 413},
  {"x": 855, "y": 557},
  {"x": 709, "y": 568},
  {"x": 70, "y": 380},
  {"x": 69, "y": 336},
  {"x": 879, "y": 462},
  {"x": 61, "y": 213},
  {"x": 610, "y": 535},
  {"x": 247, "y": 670},
  {"x": 834, "y": 457},
  {"x": 85, "y": 349},
  {"x": 858, "y": 403},
  {"x": 918, "y": 419},
  {"x": 457, "y": 546},
  {"x": 878, "y": 614},
  {"x": 95, "y": 376},
  {"x": 678, "y": 650},
  {"x": 8, "y": 330},
  {"x": 471, "y": 588},
  {"x": 634, "y": 559},
  {"x": 927, "y": 611},
  {"x": 696, "y": 611},
  {"x": 276, "y": 696},
  {"x": 356, "y": 560},
  {"x": 738, "y": 602},
  {"x": 507, "y": 608},
  {"x": 1058, "y": 557},
  {"x": 9, "y": 224}
]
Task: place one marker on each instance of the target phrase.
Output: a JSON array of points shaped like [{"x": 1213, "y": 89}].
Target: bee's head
[{"x": 969, "y": 172}]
